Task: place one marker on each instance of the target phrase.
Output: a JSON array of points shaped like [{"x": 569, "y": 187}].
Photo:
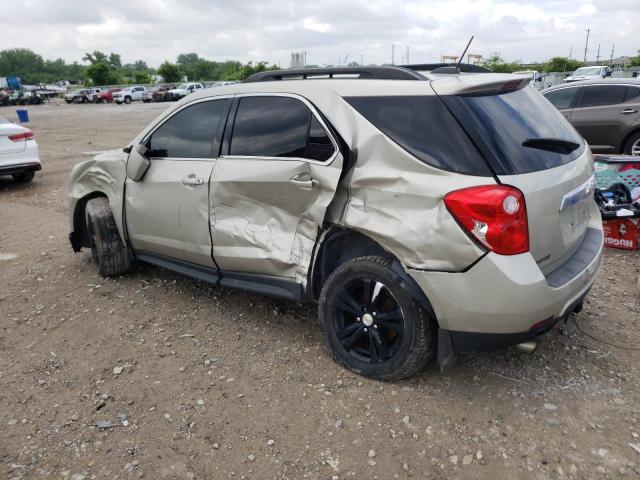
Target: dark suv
[{"x": 605, "y": 112}]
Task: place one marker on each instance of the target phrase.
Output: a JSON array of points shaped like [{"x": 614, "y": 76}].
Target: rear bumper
[
  {"x": 505, "y": 300},
  {"x": 20, "y": 168}
]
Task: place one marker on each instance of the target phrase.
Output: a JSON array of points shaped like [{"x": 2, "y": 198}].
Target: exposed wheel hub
[{"x": 367, "y": 320}]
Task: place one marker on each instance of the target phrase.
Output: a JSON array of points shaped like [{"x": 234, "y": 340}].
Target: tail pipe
[{"x": 527, "y": 347}]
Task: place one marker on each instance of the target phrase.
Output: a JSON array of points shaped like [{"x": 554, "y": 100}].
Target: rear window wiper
[{"x": 557, "y": 145}]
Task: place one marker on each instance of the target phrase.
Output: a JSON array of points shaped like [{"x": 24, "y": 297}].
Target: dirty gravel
[{"x": 154, "y": 375}]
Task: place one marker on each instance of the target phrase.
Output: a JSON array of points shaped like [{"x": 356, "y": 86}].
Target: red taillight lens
[
  {"x": 496, "y": 215},
  {"x": 21, "y": 136}
]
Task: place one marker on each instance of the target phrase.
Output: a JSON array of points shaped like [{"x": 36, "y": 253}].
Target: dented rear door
[{"x": 272, "y": 186}]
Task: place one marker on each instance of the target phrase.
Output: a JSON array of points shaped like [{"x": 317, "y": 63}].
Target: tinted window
[
  {"x": 562, "y": 98},
  {"x": 425, "y": 128},
  {"x": 190, "y": 132},
  {"x": 270, "y": 127},
  {"x": 501, "y": 123},
  {"x": 600, "y": 95},
  {"x": 320, "y": 146},
  {"x": 633, "y": 94}
]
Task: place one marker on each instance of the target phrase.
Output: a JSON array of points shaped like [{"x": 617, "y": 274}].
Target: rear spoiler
[{"x": 494, "y": 88}]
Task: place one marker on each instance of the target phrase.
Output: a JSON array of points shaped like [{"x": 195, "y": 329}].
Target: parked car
[
  {"x": 158, "y": 93},
  {"x": 29, "y": 98},
  {"x": 129, "y": 94},
  {"x": 184, "y": 90},
  {"x": 106, "y": 96},
  {"x": 82, "y": 96},
  {"x": 589, "y": 73},
  {"x": 18, "y": 151},
  {"x": 605, "y": 112},
  {"x": 535, "y": 77},
  {"x": 418, "y": 211}
]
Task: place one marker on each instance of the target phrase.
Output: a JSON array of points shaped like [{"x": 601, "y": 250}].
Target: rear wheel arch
[{"x": 341, "y": 245}]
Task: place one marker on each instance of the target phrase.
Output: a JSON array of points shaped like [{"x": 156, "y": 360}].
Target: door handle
[
  {"x": 627, "y": 111},
  {"x": 304, "y": 181},
  {"x": 192, "y": 180}
]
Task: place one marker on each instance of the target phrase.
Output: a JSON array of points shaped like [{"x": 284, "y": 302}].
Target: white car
[
  {"x": 129, "y": 94},
  {"x": 588, "y": 73},
  {"x": 82, "y": 96},
  {"x": 18, "y": 151},
  {"x": 184, "y": 90},
  {"x": 534, "y": 75}
]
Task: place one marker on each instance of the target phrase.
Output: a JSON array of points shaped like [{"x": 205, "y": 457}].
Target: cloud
[{"x": 327, "y": 30}]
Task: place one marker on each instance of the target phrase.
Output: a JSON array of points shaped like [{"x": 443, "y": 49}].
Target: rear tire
[
  {"x": 24, "y": 177},
  {"x": 632, "y": 145},
  {"x": 107, "y": 249},
  {"x": 371, "y": 324}
]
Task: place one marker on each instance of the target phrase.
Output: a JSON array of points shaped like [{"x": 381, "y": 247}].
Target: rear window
[
  {"x": 499, "y": 124},
  {"x": 601, "y": 95},
  {"x": 425, "y": 128}
]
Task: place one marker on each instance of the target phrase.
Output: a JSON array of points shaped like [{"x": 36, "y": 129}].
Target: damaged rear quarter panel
[
  {"x": 105, "y": 173},
  {"x": 397, "y": 200}
]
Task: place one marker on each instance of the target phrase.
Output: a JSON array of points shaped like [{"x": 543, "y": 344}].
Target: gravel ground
[{"x": 207, "y": 383}]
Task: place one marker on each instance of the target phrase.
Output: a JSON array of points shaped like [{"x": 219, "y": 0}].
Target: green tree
[
  {"x": 635, "y": 61},
  {"x": 562, "y": 64},
  {"x": 170, "y": 72},
  {"x": 102, "y": 73},
  {"x": 496, "y": 64},
  {"x": 142, "y": 77},
  {"x": 23, "y": 63}
]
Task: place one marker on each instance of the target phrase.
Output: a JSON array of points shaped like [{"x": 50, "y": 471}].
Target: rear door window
[
  {"x": 500, "y": 124},
  {"x": 270, "y": 127},
  {"x": 602, "y": 95},
  {"x": 425, "y": 128},
  {"x": 562, "y": 98},
  {"x": 189, "y": 133}
]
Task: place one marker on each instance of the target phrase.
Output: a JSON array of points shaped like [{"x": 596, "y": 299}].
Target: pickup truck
[
  {"x": 588, "y": 73},
  {"x": 129, "y": 94},
  {"x": 82, "y": 96},
  {"x": 106, "y": 96},
  {"x": 183, "y": 90}
]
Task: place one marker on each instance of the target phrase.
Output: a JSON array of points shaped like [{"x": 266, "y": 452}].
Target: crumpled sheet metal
[
  {"x": 260, "y": 222},
  {"x": 396, "y": 200},
  {"x": 106, "y": 173}
]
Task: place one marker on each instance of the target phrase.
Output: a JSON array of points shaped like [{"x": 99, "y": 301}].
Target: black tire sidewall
[
  {"x": 629, "y": 143},
  {"x": 403, "y": 362}
]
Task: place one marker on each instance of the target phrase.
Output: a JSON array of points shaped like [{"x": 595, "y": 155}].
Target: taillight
[
  {"x": 28, "y": 135},
  {"x": 496, "y": 215}
]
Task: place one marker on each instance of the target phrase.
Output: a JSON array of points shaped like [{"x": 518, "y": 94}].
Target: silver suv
[{"x": 428, "y": 213}]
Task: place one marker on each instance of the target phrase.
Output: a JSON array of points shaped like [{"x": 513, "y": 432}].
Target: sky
[{"x": 328, "y": 30}]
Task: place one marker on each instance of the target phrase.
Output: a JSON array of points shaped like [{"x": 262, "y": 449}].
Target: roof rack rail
[
  {"x": 375, "y": 73},
  {"x": 447, "y": 68}
]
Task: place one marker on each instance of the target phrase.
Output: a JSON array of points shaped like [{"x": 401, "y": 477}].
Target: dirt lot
[{"x": 215, "y": 383}]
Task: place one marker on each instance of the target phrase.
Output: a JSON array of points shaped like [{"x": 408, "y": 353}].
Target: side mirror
[
  {"x": 138, "y": 162},
  {"x": 608, "y": 73},
  {"x": 538, "y": 79}
]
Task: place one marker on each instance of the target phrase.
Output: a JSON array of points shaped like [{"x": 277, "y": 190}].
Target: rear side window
[
  {"x": 632, "y": 95},
  {"x": 425, "y": 128},
  {"x": 601, "y": 95},
  {"x": 562, "y": 98},
  {"x": 278, "y": 127},
  {"x": 190, "y": 132},
  {"x": 501, "y": 123}
]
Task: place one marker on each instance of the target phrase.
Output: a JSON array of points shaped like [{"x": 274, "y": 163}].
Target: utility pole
[
  {"x": 393, "y": 54},
  {"x": 571, "y": 52},
  {"x": 362, "y": 60},
  {"x": 407, "y": 59},
  {"x": 586, "y": 45},
  {"x": 613, "y": 47},
  {"x": 598, "y": 56}
]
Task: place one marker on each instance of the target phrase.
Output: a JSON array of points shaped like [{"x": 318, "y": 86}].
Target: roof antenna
[{"x": 464, "y": 53}]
